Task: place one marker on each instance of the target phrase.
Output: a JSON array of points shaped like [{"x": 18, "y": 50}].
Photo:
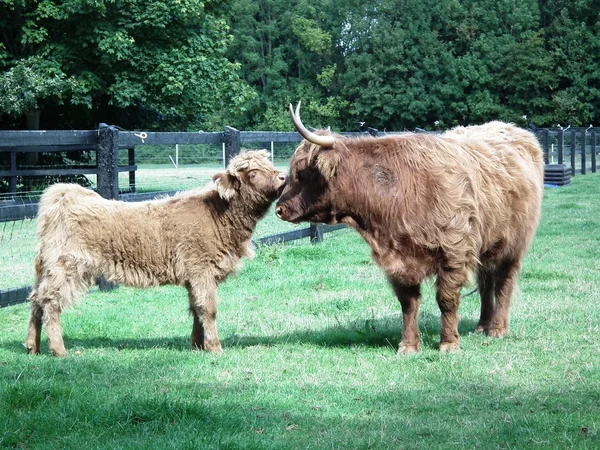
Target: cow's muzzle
[{"x": 282, "y": 212}]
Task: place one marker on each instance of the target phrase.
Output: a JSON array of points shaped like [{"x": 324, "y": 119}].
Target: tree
[
  {"x": 572, "y": 36},
  {"x": 135, "y": 63},
  {"x": 287, "y": 50},
  {"x": 398, "y": 72}
]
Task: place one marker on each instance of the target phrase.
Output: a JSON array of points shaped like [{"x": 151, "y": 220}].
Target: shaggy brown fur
[
  {"x": 448, "y": 205},
  {"x": 194, "y": 239}
]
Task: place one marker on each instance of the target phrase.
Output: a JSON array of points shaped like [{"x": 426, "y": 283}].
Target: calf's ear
[{"x": 227, "y": 185}]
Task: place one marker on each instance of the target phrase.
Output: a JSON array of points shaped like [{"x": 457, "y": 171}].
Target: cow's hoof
[
  {"x": 406, "y": 349},
  {"x": 448, "y": 347},
  {"x": 497, "y": 332},
  {"x": 482, "y": 327}
]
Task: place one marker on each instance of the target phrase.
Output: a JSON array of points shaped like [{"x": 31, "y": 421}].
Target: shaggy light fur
[
  {"x": 466, "y": 201},
  {"x": 193, "y": 239}
]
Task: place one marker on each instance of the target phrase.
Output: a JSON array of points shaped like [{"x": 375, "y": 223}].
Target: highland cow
[
  {"x": 467, "y": 201},
  {"x": 193, "y": 239}
]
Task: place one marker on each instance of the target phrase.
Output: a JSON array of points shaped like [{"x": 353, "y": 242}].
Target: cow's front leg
[
  {"x": 448, "y": 299},
  {"x": 203, "y": 305},
  {"x": 409, "y": 297}
]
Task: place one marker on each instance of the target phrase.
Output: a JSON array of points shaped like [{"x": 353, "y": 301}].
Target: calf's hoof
[
  {"x": 408, "y": 349},
  {"x": 59, "y": 352},
  {"x": 449, "y": 347},
  {"x": 32, "y": 349}
]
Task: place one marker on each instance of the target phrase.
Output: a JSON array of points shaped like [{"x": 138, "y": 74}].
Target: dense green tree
[
  {"x": 398, "y": 72},
  {"x": 503, "y": 65},
  {"x": 398, "y": 64},
  {"x": 572, "y": 32},
  {"x": 287, "y": 52},
  {"x": 136, "y": 63},
  {"x": 393, "y": 64}
]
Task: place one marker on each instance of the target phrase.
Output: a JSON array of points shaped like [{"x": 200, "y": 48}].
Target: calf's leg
[
  {"x": 54, "y": 330},
  {"x": 203, "y": 304},
  {"x": 485, "y": 284},
  {"x": 409, "y": 297},
  {"x": 32, "y": 343},
  {"x": 506, "y": 279}
]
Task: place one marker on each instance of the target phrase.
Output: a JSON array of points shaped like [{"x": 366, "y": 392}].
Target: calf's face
[
  {"x": 306, "y": 196},
  {"x": 253, "y": 177}
]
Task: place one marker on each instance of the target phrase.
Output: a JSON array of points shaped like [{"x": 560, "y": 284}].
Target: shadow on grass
[{"x": 385, "y": 332}]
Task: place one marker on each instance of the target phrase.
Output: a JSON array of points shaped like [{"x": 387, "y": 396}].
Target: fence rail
[{"x": 558, "y": 144}]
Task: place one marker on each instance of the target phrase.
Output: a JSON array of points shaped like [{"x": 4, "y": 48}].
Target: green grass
[{"x": 310, "y": 334}]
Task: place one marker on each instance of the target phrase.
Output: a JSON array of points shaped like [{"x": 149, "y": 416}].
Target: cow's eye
[{"x": 252, "y": 175}]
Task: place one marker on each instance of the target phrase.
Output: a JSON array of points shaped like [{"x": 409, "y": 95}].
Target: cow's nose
[
  {"x": 279, "y": 211},
  {"x": 282, "y": 176}
]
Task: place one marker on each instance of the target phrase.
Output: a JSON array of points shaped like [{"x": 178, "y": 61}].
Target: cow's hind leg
[
  {"x": 32, "y": 343},
  {"x": 506, "y": 279},
  {"x": 409, "y": 297},
  {"x": 203, "y": 305},
  {"x": 485, "y": 285}
]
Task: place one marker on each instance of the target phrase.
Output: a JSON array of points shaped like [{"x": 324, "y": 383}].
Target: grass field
[{"x": 310, "y": 334}]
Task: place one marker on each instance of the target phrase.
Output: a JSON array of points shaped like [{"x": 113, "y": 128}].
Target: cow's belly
[{"x": 409, "y": 266}]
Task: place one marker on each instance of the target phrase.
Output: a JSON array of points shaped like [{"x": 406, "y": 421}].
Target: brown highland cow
[
  {"x": 449, "y": 205},
  {"x": 194, "y": 239}
]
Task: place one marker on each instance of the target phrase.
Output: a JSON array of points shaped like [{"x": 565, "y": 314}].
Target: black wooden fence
[{"x": 106, "y": 142}]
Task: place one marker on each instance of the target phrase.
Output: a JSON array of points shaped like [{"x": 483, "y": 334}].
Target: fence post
[
  {"x": 583, "y": 136},
  {"x": 546, "y": 145},
  {"x": 593, "y": 149},
  {"x": 12, "y": 182},
  {"x": 107, "y": 159},
  {"x": 561, "y": 146},
  {"x": 233, "y": 144},
  {"x": 573, "y": 139},
  {"x": 316, "y": 233},
  {"x": 131, "y": 161}
]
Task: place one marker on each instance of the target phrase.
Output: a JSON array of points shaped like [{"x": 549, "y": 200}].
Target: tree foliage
[
  {"x": 132, "y": 62},
  {"x": 397, "y": 64},
  {"x": 392, "y": 64}
]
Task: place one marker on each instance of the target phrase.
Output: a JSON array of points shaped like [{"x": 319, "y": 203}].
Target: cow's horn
[{"x": 323, "y": 141}]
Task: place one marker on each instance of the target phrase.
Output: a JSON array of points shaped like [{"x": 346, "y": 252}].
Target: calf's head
[
  {"x": 307, "y": 194},
  {"x": 252, "y": 177}
]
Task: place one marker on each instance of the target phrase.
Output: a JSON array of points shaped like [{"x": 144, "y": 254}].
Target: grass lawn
[{"x": 310, "y": 336}]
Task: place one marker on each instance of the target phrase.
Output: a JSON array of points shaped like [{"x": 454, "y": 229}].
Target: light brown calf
[{"x": 194, "y": 239}]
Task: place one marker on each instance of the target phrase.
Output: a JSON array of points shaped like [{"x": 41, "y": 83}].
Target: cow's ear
[
  {"x": 327, "y": 163},
  {"x": 227, "y": 185}
]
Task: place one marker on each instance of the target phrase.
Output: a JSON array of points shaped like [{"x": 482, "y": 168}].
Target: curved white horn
[{"x": 323, "y": 141}]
